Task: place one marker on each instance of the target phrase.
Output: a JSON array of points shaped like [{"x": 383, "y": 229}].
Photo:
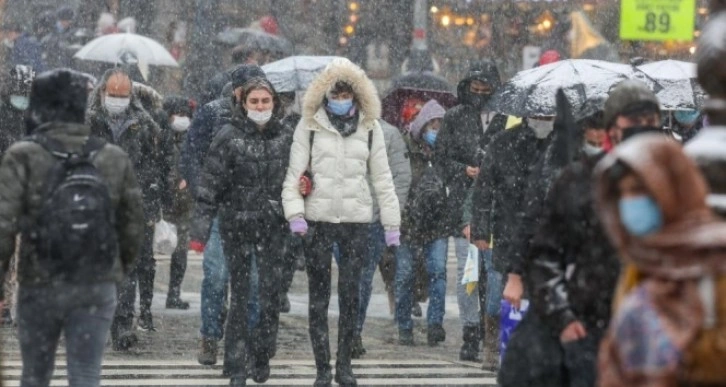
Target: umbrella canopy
[
  {"x": 109, "y": 48},
  {"x": 531, "y": 93},
  {"x": 422, "y": 86},
  {"x": 679, "y": 88},
  {"x": 255, "y": 39},
  {"x": 295, "y": 73}
]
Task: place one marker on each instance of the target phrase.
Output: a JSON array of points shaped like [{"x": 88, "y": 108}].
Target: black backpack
[{"x": 74, "y": 235}]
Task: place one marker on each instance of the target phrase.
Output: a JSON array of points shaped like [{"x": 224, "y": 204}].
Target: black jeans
[
  {"x": 265, "y": 241},
  {"x": 142, "y": 274},
  {"x": 293, "y": 249},
  {"x": 82, "y": 313},
  {"x": 352, "y": 240}
]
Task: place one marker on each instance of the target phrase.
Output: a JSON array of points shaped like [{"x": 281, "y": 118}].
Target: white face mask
[
  {"x": 116, "y": 105},
  {"x": 591, "y": 150},
  {"x": 541, "y": 128},
  {"x": 259, "y": 117},
  {"x": 180, "y": 123},
  {"x": 19, "y": 102}
]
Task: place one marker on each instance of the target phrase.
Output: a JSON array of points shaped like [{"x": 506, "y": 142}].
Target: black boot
[
  {"x": 470, "y": 347},
  {"x": 146, "y": 322},
  {"x": 122, "y": 338},
  {"x": 405, "y": 337},
  {"x": 344, "y": 375},
  {"x": 324, "y": 377},
  {"x": 6, "y": 319},
  {"x": 261, "y": 372},
  {"x": 237, "y": 382},
  {"x": 436, "y": 334},
  {"x": 173, "y": 300},
  {"x": 358, "y": 349},
  {"x": 284, "y": 303}
]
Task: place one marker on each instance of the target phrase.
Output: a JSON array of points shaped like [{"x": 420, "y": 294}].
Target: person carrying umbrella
[
  {"x": 341, "y": 141},
  {"x": 466, "y": 131}
]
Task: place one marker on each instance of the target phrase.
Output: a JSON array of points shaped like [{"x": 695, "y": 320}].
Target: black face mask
[
  {"x": 478, "y": 101},
  {"x": 636, "y": 130}
]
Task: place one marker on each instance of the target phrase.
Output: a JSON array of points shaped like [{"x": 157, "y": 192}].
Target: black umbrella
[{"x": 424, "y": 86}]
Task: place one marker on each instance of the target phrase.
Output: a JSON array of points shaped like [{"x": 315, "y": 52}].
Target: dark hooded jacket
[
  {"x": 142, "y": 139},
  {"x": 499, "y": 191},
  {"x": 11, "y": 125},
  {"x": 24, "y": 173},
  {"x": 242, "y": 177},
  {"x": 463, "y": 136}
]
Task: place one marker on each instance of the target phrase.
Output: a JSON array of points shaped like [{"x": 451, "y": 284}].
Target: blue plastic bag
[{"x": 510, "y": 318}]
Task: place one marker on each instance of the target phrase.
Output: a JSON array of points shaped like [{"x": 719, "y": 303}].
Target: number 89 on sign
[{"x": 657, "y": 19}]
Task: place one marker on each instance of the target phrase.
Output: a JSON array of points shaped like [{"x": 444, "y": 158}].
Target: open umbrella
[
  {"x": 295, "y": 73},
  {"x": 423, "y": 86},
  {"x": 109, "y": 48},
  {"x": 255, "y": 39},
  {"x": 531, "y": 93},
  {"x": 679, "y": 88}
]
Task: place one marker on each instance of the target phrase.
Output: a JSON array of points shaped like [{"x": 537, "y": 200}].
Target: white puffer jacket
[{"x": 340, "y": 165}]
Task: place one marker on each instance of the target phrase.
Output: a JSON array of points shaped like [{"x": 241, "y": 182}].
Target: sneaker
[
  {"x": 176, "y": 303},
  {"x": 416, "y": 310},
  {"x": 436, "y": 334},
  {"x": 358, "y": 349},
  {"x": 405, "y": 337},
  {"x": 146, "y": 322}
]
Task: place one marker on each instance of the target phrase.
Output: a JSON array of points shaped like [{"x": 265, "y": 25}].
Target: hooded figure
[
  {"x": 78, "y": 300},
  {"x": 340, "y": 140},
  {"x": 241, "y": 183},
  {"x": 466, "y": 132},
  {"x": 14, "y": 104},
  {"x": 670, "y": 305},
  {"x": 116, "y": 115}
]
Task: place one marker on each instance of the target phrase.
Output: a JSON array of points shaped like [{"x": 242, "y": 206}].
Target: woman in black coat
[{"x": 242, "y": 182}]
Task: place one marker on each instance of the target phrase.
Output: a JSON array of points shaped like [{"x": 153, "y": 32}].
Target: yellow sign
[{"x": 657, "y": 19}]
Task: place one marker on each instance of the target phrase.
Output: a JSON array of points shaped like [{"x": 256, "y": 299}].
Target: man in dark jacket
[
  {"x": 466, "y": 131},
  {"x": 497, "y": 200},
  {"x": 15, "y": 97},
  {"x": 573, "y": 268},
  {"x": 21, "y": 48},
  {"x": 116, "y": 116},
  {"x": 77, "y": 301}
]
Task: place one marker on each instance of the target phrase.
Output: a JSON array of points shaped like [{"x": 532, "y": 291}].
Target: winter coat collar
[{"x": 344, "y": 70}]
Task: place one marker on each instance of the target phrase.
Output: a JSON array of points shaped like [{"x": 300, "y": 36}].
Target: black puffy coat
[
  {"x": 499, "y": 191},
  {"x": 570, "y": 237},
  {"x": 242, "y": 177}
]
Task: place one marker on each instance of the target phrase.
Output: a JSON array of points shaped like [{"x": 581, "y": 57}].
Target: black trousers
[
  {"x": 142, "y": 275},
  {"x": 293, "y": 250},
  {"x": 265, "y": 242},
  {"x": 352, "y": 239},
  {"x": 178, "y": 265}
]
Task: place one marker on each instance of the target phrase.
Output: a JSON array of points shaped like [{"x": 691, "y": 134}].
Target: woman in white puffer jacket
[{"x": 340, "y": 142}]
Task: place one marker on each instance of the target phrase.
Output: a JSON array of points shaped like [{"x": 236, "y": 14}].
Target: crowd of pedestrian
[{"x": 594, "y": 216}]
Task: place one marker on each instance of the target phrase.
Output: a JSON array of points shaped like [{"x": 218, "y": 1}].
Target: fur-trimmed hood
[{"x": 344, "y": 70}]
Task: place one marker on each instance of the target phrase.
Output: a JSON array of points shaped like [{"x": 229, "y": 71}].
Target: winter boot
[
  {"x": 470, "y": 348},
  {"x": 207, "y": 352},
  {"x": 261, "y": 372},
  {"x": 436, "y": 334},
  {"x": 284, "y": 303},
  {"x": 344, "y": 375},
  {"x": 358, "y": 349},
  {"x": 173, "y": 301},
  {"x": 237, "y": 381},
  {"x": 405, "y": 337},
  {"x": 491, "y": 344},
  {"x": 324, "y": 377},
  {"x": 124, "y": 341},
  {"x": 6, "y": 319}
]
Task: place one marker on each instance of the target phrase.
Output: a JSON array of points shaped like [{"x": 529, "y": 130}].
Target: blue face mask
[
  {"x": 340, "y": 107},
  {"x": 430, "y": 137},
  {"x": 686, "y": 117},
  {"x": 640, "y": 215}
]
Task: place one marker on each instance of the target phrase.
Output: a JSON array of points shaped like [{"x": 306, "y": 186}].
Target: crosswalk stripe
[{"x": 146, "y": 373}]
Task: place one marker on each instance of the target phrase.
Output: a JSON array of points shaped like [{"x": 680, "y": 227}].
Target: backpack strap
[{"x": 51, "y": 145}]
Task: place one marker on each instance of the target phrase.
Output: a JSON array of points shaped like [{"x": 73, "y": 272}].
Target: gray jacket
[{"x": 398, "y": 162}]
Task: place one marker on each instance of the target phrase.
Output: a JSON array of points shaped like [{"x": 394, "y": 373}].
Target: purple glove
[
  {"x": 393, "y": 238},
  {"x": 299, "y": 226}
]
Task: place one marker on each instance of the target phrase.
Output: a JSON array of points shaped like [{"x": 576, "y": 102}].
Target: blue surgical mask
[
  {"x": 640, "y": 215},
  {"x": 19, "y": 102},
  {"x": 686, "y": 117},
  {"x": 430, "y": 137},
  {"x": 340, "y": 107}
]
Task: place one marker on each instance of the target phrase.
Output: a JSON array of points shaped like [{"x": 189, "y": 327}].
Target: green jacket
[{"x": 23, "y": 174}]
